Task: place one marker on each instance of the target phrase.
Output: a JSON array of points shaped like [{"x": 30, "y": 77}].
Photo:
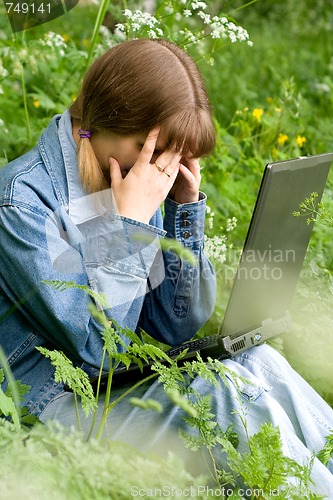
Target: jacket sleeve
[
  {"x": 38, "y": 245},
  {"x": 175, "y": 310}
]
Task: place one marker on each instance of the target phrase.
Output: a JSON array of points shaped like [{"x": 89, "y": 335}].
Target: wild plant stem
[
  {"x": 24, "y": 92},
  {"x": 25, "y": 104},
  {"x": 213, "y": 474},
  {"x": 77, "y": 412},
  {"x": 106, "y": 402},
  {"x": 132, "y": 388},
  {"x": 243, "y": 6},
  {"x": 98, "y": 23},
  {"x": 93, "y": 422},
  {"x": 108, "y": 407},
  {"x": 13, "y": 387}
]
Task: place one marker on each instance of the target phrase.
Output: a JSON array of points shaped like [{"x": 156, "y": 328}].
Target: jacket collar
[{"x": 58, "y": 150}]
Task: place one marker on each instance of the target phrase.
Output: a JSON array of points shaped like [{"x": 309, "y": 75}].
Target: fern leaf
[{"x": 76, "y": 379}]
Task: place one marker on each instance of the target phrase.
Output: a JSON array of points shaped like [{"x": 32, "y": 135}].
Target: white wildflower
[
  {"x": 55, "y": 41},
  {"x": 187, "y": 13},
  {"x": 120, "y": 27},
  {"x": 198, "y": 5},
  {"x": 231, "y": 224},
  {"x": 205, "y": 17},
  {"x": 232, "y": 37},
  {"x": 17, "y": 68},
  {"x": 321, "y": 87},
  {"x": 216, "y": 248},
  {"x": 152, "y": 34},
  {"x": 222, "y": 28},
  {"x": 22, "y": 54},
  {"x": 33, "y": 63},
  {"x": 104, "y": 31},
  {"x": 128, "y": 13},
  {"x": 210, "y": 217},
  {"x": 215, "y": 34},
  {"x": 140, "y": 19},
  {"x": 3, "y": 71}
]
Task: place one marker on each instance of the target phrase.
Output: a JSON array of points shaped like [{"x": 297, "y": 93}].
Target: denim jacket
[{"x": 50, "y": 230}]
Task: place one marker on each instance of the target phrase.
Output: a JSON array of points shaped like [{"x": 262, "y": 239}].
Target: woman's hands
[
  {"x": 186, "y": 186},
  {"x": 147, "y": 184}
]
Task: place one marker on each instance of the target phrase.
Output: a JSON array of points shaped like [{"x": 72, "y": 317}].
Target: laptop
[{"x": 268, "y": 269}]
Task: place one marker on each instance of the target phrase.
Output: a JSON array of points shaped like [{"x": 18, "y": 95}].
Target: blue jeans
[{"x": 277, "y": 394}]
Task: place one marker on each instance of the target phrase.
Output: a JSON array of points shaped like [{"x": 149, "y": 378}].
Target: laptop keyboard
[
  {"x": 207, "y": 346},
  {"x": 195, "y": 345}
]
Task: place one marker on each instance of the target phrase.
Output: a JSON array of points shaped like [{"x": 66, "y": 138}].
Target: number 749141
[{"x": 28, "y": 8}]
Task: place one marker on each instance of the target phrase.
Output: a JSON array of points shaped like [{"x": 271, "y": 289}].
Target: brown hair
[{"x": 135, "y": 86}]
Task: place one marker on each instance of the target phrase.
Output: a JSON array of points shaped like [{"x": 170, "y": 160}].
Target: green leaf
[
  {"x": 178, "y": 399},
  {"x": 76, "y": 379},
  {"x": 99, "y": 298},
  {"x": 8, "y": 408},
  {"x": 147, "y": 404},
  {"x": 11, "y": 403},
  {"x": 171, "y": 245},
  {"x": 326, "y": 453}
]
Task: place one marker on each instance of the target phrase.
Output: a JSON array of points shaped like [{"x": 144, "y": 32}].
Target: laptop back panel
[{"x": 274, "y": 249}]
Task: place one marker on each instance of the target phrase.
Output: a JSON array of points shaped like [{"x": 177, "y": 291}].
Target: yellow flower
[
  {"x": 257, "y": 113},
  {"x": 282, "y": 139},
  {"x": 36, "y": 103},
  {"x": 300, "y": 140},
  {"x": 274, "y": 153}
]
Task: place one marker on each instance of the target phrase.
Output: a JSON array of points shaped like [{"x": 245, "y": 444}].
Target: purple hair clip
[{"x": 84, "y": 134}]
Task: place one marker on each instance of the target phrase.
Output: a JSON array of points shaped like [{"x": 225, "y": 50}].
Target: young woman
[{"x": 84, "y": 206}]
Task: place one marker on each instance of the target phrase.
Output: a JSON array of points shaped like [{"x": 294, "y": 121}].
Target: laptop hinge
[{"x": 269, "y": 328}]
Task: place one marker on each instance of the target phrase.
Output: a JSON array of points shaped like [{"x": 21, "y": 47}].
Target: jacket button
[
  {"x": 184, "y": 214},
  {"x": 186, "y": 234},
  {"x": 186, "y": 223}
]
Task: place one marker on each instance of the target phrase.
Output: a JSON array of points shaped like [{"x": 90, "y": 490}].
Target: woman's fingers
[
  {"x": 148, "y": 148},
  {"x": 186, "y": 187},
  {"x": 168, "y": 160},
  {"x": 115, "y": 172},
  {"x": 192, "y": 164}
]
